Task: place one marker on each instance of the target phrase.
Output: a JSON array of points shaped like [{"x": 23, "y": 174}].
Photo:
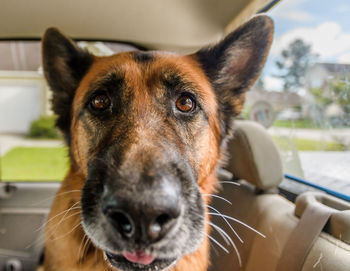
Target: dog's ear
[
  {"x": 234, "y": 64},
  {"x": 64, "y": 65}
]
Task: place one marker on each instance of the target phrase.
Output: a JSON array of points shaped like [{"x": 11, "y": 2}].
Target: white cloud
[
  {"x": 291, "y": 10},
  {"x": 327, "y": 39},
  {"x": 272, "y": 83},
  {"x": 294, "y": 15},
  {"x": 344, "y": 59}
]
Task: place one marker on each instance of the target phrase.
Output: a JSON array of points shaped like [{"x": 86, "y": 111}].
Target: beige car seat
[{"x": 312, "y": 234}]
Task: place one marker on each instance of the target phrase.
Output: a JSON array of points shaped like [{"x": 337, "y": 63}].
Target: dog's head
[{"x": 146, "y": 129}]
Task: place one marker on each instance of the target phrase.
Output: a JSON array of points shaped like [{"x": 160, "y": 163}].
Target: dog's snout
[
  {"x": 160, "y": 219},
  {"x": 119, "y": 219},
  {"x": 145, "y": 217}
]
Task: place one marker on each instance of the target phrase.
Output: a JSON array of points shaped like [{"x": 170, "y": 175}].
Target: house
[
  {"x": 24, "y": 94},
  {"x": 321, "y": 76},
  {"x": 278, "y": 99}
]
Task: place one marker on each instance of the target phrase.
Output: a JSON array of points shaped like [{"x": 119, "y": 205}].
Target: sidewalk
[
  {"x": 333, "y": 135},
  {"x": 8, "y": 142},
  {"x": 336, "y": 164}
]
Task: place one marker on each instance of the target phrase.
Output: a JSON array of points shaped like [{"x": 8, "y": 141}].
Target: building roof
[
  {"x": 277, "y": 99},
  {"x": 334, "y": 68},
  {"x": 26, "y": 55}
]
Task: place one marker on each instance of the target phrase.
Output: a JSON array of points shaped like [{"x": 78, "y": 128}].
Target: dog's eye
[
  {"x": 185, "y": 103},
  {"x": 100, "y": 102}
]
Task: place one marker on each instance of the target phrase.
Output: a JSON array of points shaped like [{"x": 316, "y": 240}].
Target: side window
[
  {"x": 303, "y": 95},
  {"x": 31, "y": 148}
]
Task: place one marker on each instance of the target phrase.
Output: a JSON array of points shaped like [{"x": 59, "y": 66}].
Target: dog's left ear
[
  {"x": 234, "y": 64},
  {"x": 64, "y": 65}
]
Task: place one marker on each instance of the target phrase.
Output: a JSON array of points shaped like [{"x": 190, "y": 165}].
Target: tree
[
  {"x": 260, "y": 84},
  {"x": 293, "y": 63},
  {"x": 338, "y": 92}
]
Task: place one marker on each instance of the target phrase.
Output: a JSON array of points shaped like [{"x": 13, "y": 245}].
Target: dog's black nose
[
  {"x": 145, "y": 217},
  {"x": 120, "y": 219}
]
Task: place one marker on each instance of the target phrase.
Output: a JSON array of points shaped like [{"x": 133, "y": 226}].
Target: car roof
[{"x": 180, "y": 25}]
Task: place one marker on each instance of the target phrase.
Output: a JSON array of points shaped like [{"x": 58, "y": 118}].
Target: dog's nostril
[
  {"x": 163, "y": 219},
  {"x": 159, "y": 224},
  {"x": 122, "y": 222}
]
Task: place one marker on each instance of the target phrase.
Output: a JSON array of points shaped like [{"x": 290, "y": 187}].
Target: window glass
[
  {"x": 31, "y": 149},
  {"x": 305, "y": 85},
  {"x": 303, "y": 97}
]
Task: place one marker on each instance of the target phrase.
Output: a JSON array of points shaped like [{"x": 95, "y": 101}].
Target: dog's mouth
[{"x": 138, "y": 260}]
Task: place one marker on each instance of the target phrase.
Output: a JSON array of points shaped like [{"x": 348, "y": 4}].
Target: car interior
[
  {"x": 296, "y": 235},
  {"x": 261, "y": 220}
]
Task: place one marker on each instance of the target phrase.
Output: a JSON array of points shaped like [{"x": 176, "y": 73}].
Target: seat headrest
[{"x": 253, "y": 155}]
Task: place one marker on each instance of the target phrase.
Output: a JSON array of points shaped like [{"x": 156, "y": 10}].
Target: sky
[{"x": 323, "y": 24}]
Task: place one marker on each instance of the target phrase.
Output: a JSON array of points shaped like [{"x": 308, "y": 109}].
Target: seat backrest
[
  {"x": 253, "y": 156},
  {"x": 255, "y": 160}
]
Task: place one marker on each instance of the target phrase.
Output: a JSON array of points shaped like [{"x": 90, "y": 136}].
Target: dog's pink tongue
[{"x": 138, "y": 257}]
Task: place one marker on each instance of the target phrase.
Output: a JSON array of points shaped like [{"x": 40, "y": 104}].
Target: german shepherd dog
[{"x": 146, "y": 132}]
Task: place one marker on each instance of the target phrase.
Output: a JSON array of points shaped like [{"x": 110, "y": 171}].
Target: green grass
[
  {"x": 51, "y": 164},
  {"x": 35, "y": 164},
  {"x": 44, "y": 127},
  {"x": 296, "y": 124},
  {"x": 308, "y": 144}
]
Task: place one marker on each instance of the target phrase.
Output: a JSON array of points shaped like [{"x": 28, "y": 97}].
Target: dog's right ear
[
  {"x": 64, "y": 65},
  {"x": 234, "y": 64}
]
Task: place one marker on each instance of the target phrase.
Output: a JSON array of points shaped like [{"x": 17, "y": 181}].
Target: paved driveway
[
  {"x": 329, "y": 169},
  {"x": 337, "y": 135}
]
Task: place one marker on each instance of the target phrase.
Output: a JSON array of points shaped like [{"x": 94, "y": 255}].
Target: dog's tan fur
[
  {"x": 64, "y": 232},
  {"x": 67, "y": 246}
]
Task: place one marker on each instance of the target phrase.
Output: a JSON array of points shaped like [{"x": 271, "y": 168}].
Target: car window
[
  {"x": 303, "y": 95},
  {"x": 31, "y": 148}
]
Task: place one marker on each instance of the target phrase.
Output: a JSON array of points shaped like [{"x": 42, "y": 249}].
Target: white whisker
[
  {"x": 214, "y": 248},
  {"x": 67, "y": 211},
  {"x": 41, "y": 238},
  {"x": 228, "y": 182},
  {"x": 55, "y": 196},
  {"x": 218, "y": 243},
  {"x": 81, "y": 246},
  {"x": 60, "y": 237},
  {"x": 61, "y": 221},
  {"x": 220, "y": 231},
  {"x": 219, "y": 197},
  {"x": 224, "y": 218},
  {"x": 85, "y": 247},
  {"x": 223, "y": 233},
  {"x": 52, "y": 232},
  {"x": 240, "y": 222},
  {"x": 63, "y": 212}
]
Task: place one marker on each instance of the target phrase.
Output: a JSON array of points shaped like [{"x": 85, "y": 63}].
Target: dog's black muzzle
[
  {"x": 145, "y": 212},
  {"x": 139, "y": 209}
]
